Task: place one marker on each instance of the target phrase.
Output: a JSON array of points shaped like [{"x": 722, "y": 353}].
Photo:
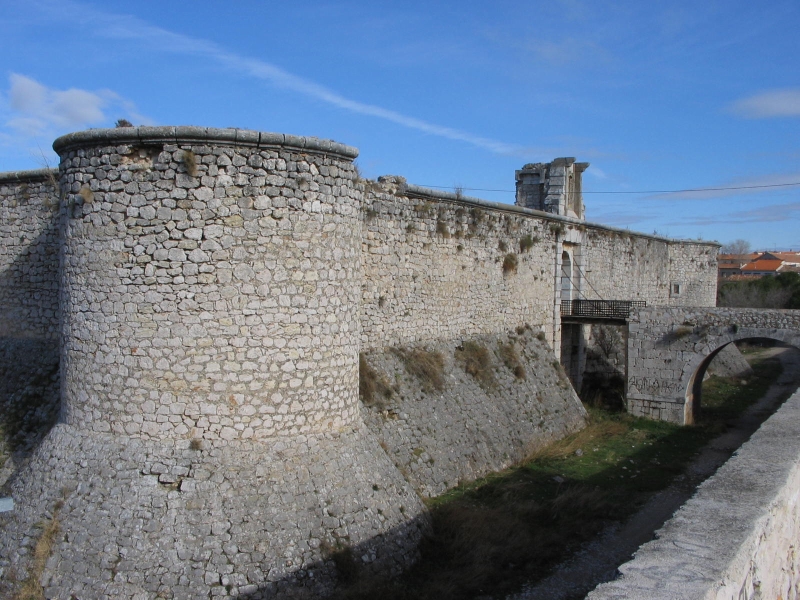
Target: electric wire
[{"x": 704, "y": 189}]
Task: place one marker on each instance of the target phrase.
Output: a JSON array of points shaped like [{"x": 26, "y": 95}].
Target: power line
[{"x": 706, "y": 189}]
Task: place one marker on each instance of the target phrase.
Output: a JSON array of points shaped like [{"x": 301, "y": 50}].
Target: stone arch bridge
[{"x": 670, "y": 348}]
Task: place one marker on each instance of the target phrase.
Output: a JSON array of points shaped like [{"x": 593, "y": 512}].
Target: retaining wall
[
  {"x": 472, "y": 425},
  {"x": 738, "y": 537}
]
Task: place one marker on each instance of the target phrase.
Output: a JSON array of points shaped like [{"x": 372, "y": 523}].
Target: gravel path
[{"x": 598, "y": 561}]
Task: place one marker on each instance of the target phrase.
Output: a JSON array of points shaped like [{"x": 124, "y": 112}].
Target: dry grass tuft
[
  {"x": 508, "y": 352},
  {"x": 189, "y": 162},
  {"x": 527, "y": 242},
  {"x": 87, "y": 195},
  {"x": 31, "y": 589},
  {"x": 477, "y": 361},
  {"x": 427, "y": 367},
  {"x": 347, "y": 568},
  {"x": 372, "y": 385},
  {"x": 510, "y": 263},
  {"x": 442, "y": 228}
]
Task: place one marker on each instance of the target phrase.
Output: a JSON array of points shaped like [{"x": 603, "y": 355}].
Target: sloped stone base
[
  {"x": 259, "y": 520},
  {"x": 438, "y": 438}
]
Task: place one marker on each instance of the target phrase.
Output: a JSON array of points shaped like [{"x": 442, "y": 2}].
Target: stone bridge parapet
[{"x": 669, "y": 349}]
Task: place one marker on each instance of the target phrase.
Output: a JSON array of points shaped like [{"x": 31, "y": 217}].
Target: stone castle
[{"x": 200, "y": 303}]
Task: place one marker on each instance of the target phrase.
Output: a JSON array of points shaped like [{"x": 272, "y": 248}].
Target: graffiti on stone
[{"x": 652, "y": 385}]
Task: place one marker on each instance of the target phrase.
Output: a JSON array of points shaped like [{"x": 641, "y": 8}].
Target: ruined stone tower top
[{"x": 553, "y": 187}]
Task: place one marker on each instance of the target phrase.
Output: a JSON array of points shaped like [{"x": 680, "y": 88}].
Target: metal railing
[{"x": 600, "y": 309}]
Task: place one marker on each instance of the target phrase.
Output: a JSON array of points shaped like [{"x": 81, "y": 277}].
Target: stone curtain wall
[
  {"x": 210, "y": 284},
  {"x": 29, "y": 315},
  {"x": 693, "y": 266},
  {"x": 434, "y": 268},
  {"x": 737, "y": 538},
  {"x": 670, "y": 348},
  {"x": 29, "y": 255},
  {"x": 621, "y": 265}
]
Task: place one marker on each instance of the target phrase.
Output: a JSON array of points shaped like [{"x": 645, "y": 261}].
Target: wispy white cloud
[
  {"x": 37, "y": 110},
  {"x": 131, "y": 28},
  {"x": 735, "y": 187},
  {"x": 772, "y": 213},
  {"x": 771, "y": 103}
]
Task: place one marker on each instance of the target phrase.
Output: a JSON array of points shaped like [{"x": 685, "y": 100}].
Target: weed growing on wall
[
  {"x": 189, "y": 161},
  {"x": 477, "y": 217},
  {"x": 424, "y": 209},
  {"x": 373, "y": 387},
  {"x": 31, "y": 589},
  {"x": 510, "y": 263},
  {"x": 86, "y": 193},
  {"x": 441, "y": 227},
  {"x": 527, "y": 242},
  {"x": 476, "y": 361},
  {"x": 508, "y": 353},
  {"x": 427, "y": 367}
]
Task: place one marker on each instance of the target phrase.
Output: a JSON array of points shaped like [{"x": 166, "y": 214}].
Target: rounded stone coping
[
  {"x": 200, "y": 135},
  {"x": 24, "y": 176}
]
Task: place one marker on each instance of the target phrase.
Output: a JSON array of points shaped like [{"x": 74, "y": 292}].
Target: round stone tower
[
  {"x": 210, "y": 442},
  {"x": 210, "y": 283}
]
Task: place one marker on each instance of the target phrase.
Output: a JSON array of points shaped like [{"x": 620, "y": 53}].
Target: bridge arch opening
[{"x": 694, "y": 389}]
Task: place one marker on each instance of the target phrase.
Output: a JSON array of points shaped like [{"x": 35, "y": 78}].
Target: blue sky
[{"x": 656, "y": 96}]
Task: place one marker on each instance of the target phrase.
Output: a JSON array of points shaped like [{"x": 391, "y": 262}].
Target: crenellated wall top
[{"x": 201, "y": 135}]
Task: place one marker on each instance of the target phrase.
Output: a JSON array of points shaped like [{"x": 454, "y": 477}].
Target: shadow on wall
[
  {"x": 603, "y": 382},
  {"x": 29, "y": 352},
  {"x": 346, "y": 566}
]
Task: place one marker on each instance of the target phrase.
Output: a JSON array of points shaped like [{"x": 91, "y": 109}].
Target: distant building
[{"x": 757, "y": 264}]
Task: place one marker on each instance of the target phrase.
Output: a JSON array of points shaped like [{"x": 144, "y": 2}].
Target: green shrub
[{"x": 527, "y": 242}]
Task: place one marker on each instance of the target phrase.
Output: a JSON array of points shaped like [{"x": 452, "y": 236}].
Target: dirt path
[{"x": 598, "y": 561}]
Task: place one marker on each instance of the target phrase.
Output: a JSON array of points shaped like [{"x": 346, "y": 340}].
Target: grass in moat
[{"x": 492, "y": 535}]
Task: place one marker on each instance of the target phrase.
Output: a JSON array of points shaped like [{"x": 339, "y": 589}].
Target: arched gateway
[{"x": 669, "y": 350}]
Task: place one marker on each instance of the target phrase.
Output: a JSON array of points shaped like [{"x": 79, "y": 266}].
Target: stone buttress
[{"x": 210, "y": 442}]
